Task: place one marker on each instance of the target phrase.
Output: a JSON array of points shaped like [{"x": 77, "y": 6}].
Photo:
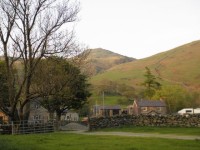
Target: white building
[
  {"x": 70, "y": 116},
  {"x": 189, "y": 111}
]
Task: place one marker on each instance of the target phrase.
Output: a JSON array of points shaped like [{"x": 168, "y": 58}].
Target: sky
[{"x": 138, "y": 28}]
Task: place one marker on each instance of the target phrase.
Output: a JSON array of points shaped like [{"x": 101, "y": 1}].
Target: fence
[
  {"x": 40, "y": 126},
  {"x": 27, "y": 127}
]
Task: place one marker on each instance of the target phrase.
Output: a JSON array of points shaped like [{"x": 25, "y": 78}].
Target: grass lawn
[
  {"x": 160, "y": 130},
  {"x": 67, "y": 141}
]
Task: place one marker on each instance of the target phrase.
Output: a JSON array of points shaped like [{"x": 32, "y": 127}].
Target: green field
[
  {"x": 108, "y": 100},
  {"x": 67, "y": 141},
  {"x": 159, "y": 130}
]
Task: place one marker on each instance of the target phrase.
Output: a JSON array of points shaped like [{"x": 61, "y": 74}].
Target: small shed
[
  {"x": 106, "y": 110},
  {"x": 69, "y": 115}
]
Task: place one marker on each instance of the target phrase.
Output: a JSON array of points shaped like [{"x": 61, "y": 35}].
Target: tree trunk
[
  {"x": 26, "y": 111},
  {"x": 21, "y": 116},
  {"x": 58, "y": 116},
  {"x": 51, "y": 115},
  {"x": 13, "y": 116},
  {"x": 58, "y": 120}
]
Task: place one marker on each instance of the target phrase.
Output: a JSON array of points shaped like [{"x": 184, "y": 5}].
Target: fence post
[
  {"x": 34, "y": 127},
  {"x": 44, "y": 127}
]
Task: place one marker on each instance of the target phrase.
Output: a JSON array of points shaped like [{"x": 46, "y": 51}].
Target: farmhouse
[
  {"x": 37, "y": 112},
  {"x": 148, "y": 107}
]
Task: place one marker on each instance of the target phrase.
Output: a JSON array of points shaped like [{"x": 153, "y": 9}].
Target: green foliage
[
  {"x": 84, "y": 110},
  {"x": 124, "y": 101},
  {"x": 126, "y": 91},
  {"x": 176, "y": 97},
  {"x": 108, "y": 99},
  {"x": 107, "y": 86},
  {"x": 62, "y": 84},
  {"x": 150, "y": 83},
  {"x": 114, "y": 88},
  {"x": 115, "y": 93}
]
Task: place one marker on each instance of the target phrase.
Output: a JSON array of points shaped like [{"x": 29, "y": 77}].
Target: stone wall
[{"x": 145, "y": 120}]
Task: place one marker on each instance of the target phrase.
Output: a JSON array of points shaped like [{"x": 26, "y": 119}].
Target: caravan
[{"x": 189, "y": 111}]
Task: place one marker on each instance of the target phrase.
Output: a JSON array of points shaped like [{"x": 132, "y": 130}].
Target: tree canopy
[
  {"x": 62, "y": 85},
  {"x": 150, "y": 83},
  {"x": 177, "y": 98}
]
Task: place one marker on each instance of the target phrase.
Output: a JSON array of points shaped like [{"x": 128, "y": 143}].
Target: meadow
[
  {"x": 158, "y": 130},
  {"x": 69, "y": 141}
]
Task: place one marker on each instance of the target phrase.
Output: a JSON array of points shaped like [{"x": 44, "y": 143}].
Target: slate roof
[{"x": 151, "y": 103}]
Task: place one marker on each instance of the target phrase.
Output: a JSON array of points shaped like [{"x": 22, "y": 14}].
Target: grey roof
[
  {"x": 151, "y": 103},
  {"x": 116, "y": 107}
]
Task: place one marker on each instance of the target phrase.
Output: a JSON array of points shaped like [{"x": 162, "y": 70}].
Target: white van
[{"x": 189, "y": 111}]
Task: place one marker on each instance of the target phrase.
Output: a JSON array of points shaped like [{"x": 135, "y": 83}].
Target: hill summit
[{"x": 101, "y": 59}]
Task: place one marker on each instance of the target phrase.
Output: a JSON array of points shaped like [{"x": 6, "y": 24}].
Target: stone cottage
[{"x": 147, "y": 107}]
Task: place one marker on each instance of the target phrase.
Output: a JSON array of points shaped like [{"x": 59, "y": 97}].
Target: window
[
  {"x": 159, "y": 108},
  {"x": 36, "y": 117},
  {"x": 188, "y": 111},
  {"x": 143, "y": 108}
]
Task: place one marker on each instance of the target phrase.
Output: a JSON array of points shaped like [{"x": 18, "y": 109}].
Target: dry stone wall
[{"x": 145, "y": 120}]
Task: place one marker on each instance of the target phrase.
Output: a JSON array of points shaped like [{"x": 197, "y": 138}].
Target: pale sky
[{"x": 138, "y": 28}]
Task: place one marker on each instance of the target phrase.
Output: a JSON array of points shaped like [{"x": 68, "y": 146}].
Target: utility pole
[
  {"x": 103, "y": 105},
  {"x": 96, "y": 109}
]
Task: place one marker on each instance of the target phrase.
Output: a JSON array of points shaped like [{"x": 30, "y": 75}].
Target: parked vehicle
[{"x": 189, "y": 111}]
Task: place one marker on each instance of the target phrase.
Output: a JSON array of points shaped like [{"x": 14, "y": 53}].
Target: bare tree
[{"x": 30, "y": 31}]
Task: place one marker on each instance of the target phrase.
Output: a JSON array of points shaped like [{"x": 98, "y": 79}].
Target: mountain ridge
[{"x": 175, "y": 66}]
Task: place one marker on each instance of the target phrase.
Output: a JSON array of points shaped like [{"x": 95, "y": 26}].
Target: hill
[
  {"x": 101, "y": 60},
  {"x": 177, "y": 66}
]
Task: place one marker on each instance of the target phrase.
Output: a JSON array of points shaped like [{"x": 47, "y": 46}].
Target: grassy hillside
[
  {"x": 177, "y": 66},
  {"x": 101, "y": 60}
]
